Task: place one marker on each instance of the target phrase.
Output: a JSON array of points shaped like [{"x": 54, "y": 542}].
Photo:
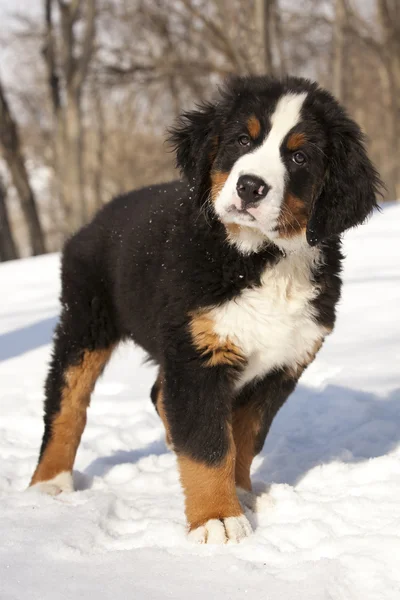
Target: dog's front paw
[
  {"x": 221, "y": 531},
  {"x": 53, "y": 487}
]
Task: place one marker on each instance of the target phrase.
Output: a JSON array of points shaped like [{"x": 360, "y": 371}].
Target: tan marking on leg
[
  {"x": 245, "y": 426},
  {"x": 293, "y": 217},
  {"x": 163, "y": 416},
  {"x": 209, "y": 491},
  {"x": 221, "y": 351},
  {"x": 68, "y": 425},
  {"x": 254, "y": 127},
  {"x": 295, "y": 141},
  {"x": 218, "y": 179}
]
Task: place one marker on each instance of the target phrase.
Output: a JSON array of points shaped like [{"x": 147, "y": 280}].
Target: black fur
[
  {"x": 152, "y": 257},
  {"x": 350, "y": 184}
]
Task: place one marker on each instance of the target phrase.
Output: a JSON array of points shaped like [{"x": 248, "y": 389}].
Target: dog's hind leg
[
  {"x": 83, "y": 343},
  {"x": 157, "y": 398},
  {"x": 73, "y": 373}
]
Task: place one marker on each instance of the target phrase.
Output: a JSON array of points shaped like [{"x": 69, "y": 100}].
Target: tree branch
[
  {"x": 49, "y": 56},
  {"x": 88, "y": 45}
]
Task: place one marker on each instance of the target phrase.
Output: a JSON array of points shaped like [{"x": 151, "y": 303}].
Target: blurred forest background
[{"x": 88, "y": 88}]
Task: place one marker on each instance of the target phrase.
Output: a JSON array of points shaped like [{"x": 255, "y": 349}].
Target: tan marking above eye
[
  {"x": 254, "y": 127},
  {"x": 295, "y": 141}
]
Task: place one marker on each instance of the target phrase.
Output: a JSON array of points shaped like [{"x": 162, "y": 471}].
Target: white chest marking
[{"x": 274, "y": 325}]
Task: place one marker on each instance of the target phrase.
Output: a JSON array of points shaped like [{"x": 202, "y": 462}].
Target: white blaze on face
[{"x": 264, "y": 162}]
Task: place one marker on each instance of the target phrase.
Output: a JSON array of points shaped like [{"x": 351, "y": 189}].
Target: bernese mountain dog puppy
[{"x": 228, "y": 279}]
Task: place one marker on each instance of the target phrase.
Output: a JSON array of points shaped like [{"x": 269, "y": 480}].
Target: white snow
[{"x": 327, "y": 515}]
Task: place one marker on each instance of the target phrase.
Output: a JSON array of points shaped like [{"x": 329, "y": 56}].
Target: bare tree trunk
[
  {"x": 58, "y": 139},
  {"x": 10, "y": 141},
  {"x": 66, "y": 63},
  {"x": 73, "y": 168},
  {"x": 100, "y": 143},
  {"x": 280, "y": 39},
  {"x": 8, "y": 247},
  {"x": 339, "y": 48},
  {"x": 75, "y": 71},
  {"x": 389, "y": 16},
  {"x": 264, "y": 18}
]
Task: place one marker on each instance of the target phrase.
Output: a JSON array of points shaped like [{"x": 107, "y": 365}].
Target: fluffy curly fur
[{"x": 230, "y": 289}]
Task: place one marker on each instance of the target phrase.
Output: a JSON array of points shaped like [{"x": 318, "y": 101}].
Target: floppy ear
[
  {"x": 350, "y": 186},
  {"x": 194, "y": 139}
]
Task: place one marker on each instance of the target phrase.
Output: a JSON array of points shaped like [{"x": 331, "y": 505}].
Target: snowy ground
[{"x": 328, "y": 527}]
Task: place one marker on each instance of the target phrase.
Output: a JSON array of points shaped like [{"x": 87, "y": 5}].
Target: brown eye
[
  {"x": 244, "y": 139},
  {"x": 299, "y": 158}
]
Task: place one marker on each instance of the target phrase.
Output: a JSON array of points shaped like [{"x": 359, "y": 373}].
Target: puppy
[{"x": 228, "y": 279}]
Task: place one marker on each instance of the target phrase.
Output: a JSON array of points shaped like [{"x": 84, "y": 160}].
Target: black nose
[{"x": 251, "y": 189}]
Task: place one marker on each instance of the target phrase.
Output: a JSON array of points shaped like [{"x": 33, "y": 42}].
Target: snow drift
[{"x": 327, "y": 518}]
